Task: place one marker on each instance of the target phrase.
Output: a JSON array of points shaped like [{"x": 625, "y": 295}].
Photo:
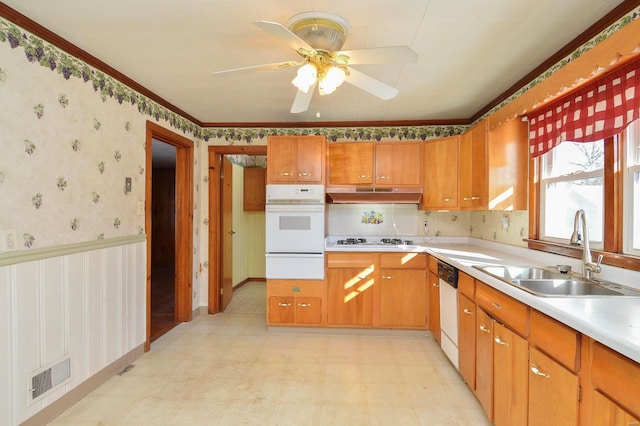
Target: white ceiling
[{"x": 470, "y": 51}]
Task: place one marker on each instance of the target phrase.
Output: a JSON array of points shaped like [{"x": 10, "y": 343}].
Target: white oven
[{"x": 295, "y": 221}]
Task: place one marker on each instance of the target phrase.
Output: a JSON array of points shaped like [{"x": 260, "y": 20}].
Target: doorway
[
  {"x": 163, "y": 235},
  {"x": 169, "y": 252},
  {"x": 216, "y": 233}
]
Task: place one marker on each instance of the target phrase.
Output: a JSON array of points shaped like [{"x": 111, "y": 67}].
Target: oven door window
[{"x": 294, "y": 229}]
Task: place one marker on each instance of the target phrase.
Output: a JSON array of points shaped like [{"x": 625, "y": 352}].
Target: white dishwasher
[{"x": 448, "y": 278}]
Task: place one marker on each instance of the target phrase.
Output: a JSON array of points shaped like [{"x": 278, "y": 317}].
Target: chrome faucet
[{"x": 588, "y": 267}]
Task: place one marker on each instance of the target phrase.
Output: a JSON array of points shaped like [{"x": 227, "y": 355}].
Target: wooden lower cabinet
[
  {"x": 510, "y": 378},
  {"x": 296, "y": 302},
  {"x": 605, "y": 412},
  {"x": 484, "y": 361},
  {"x": 618, "y": 377},
  {"x": 467, "y": 340},
  {"x": 350, "y": 296},
  {"x": 403, "y": 298},
  {"x": 553, "y": 392}
]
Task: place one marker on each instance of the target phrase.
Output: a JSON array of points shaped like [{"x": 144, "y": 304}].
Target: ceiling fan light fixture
[
  {"x": 331, "y": 79},
  {"x": 321, "y": 30},
  {"x": 306, "y": 77}
]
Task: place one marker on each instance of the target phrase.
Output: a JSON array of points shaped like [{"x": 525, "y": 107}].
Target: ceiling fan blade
[
  {"x": 380, "y": 55},
  {"x": 264, "y": 67},
  {"x": 303, "y": 100},
  {"x": 371, "y": 85},
  {"x": 287, "y": 36}
]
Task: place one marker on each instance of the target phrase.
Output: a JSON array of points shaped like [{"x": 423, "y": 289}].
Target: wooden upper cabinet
[
  {"x": 254, "y": 189},
  {"x": 473, "y": 168},
  {"x": 295, "y": 159},
  {"x": 398, "y": 164},
  {"x": 441, "y": 170},
  {"x": 494, "y": 167},
  {"x": 382, "y": 164},
  {"x": 508, "y": 161},
  {"x": 350, "y": 163}
]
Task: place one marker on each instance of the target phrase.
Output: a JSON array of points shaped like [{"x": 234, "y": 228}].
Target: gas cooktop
[
  {"x": 381, "y": 241},
  {"x": 399, "y": 243}
]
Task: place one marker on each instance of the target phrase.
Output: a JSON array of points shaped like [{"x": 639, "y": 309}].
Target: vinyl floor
[{"x": 231, "y": 369}]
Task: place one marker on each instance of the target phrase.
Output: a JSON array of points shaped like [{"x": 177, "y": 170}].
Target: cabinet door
[
  {"x": 403, "y": 298},
  {"x": 484, "y": 361},
  {"x": 254, "y": 187},
  {"x": 398, "y": 164},
  {"x": 434, "y": 305},
  {"x": 508, "y": 159},
  {"x": 350, "y": 296},
  {"x": 473, "y": 168},
  {"x": 308, "y": 310},
  {"x": 310, "y": 159},
  {"x": 350, "y": 163},
  {"x": 282, "y": 159},
  {"x": 441, "y": 173},
  {"x": 605, "y": 412},
  {"x": 281, "y": 310},
  {"x": 467, "y": 340},
  {"x": 553, "y": 392},
  {"x": 510, "y": 377}
]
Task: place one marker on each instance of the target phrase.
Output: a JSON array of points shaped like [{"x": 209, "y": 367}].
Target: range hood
[{"x": 369, "y": 195}]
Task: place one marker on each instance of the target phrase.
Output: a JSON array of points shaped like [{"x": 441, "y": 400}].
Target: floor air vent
[{"x": 42, "y": 381}]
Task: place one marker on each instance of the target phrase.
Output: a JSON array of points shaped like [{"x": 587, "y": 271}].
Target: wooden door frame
[
  {"x": 184, "y": 220},
  {"x": 215, "y": 220}
]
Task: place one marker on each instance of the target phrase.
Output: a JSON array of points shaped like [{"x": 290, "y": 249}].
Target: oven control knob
[{"x": 450, "y": 279}]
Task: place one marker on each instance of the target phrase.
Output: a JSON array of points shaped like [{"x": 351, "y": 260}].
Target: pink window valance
[{"x": 598, "y": 110}]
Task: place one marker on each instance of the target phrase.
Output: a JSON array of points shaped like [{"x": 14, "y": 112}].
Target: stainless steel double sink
[{"x": 549, "y": 282}]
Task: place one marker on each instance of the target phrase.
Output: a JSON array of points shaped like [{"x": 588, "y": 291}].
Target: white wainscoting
[{"x": 89, "y": 304}]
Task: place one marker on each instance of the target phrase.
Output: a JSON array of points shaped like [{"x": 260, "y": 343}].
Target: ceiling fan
[{"x": 318, "y": 38}]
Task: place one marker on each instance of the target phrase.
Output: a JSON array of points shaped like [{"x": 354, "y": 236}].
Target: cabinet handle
[
  {"x": 484, "y": 329},
  {"x": 497, "y": 306},
  {"x": 383, "y": 177},
  {"x": 467, "y": 311},
  {"x": 447, "y": 200},
  {"x": 435, "y": 285},
  {"x": 304, "y": 174},
  {"x": 537, "y": 372},
  {"x": 284, "y": 305},
  {"x": 286, "y": 174},
  {"x": 472, "y": 198},
  {"x": 499, "y": 341},
  {"x": 388, "y": 277},
  {"x": 364, "y": 176},
  {"x": 304, "y": 305}
]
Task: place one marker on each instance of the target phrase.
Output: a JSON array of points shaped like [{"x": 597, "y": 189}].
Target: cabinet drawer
[
  {"x": 503, "y": 307},
  {"x": 403, "y": 260},
  {"x": 466, "y": 285},
  {"x": 555, "y": 339},
  {"x": 616, "y": 376},
  {"x": 433, "y": 264},
  {"x": 350, "y": 260},
  {"x": 297, "y": 288}
]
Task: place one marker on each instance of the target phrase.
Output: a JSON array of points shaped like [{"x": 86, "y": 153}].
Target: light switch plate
[{"x": 9, "y": 240}]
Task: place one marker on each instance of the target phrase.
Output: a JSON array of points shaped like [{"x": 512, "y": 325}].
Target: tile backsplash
[{"x": 509, "y": 227}]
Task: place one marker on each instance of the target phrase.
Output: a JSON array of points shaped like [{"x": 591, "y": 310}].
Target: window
[
  {"x": 572, "y": 179},
  {"x": 603, "y": 179},
  {"x": 632, "y": 194}
]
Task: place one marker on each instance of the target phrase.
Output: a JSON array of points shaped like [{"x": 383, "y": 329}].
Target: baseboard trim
[
  {"x": 66, "y": 401},
  {"x": 246, "y": 280}
]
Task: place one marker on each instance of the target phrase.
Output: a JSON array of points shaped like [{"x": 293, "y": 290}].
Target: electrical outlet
[{"x": 9, "y": 240}]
